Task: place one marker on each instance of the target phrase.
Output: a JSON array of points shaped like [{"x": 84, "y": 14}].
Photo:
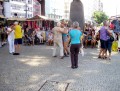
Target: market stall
[{"x": 41, "y": 22}]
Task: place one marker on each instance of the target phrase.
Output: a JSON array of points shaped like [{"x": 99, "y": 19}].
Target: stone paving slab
[
  {"x": 54, "y": 86},
  {"x": 35, "y": 66}
]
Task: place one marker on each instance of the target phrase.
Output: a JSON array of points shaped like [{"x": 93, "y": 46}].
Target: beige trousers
[{"x": 58, "y": 44}]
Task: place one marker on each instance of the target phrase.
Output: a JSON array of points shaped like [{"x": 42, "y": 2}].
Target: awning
[
  {"x": 38, "y": 17},
  {"x": 1, "y": 16},
  {"x": 16, "y": 19}
]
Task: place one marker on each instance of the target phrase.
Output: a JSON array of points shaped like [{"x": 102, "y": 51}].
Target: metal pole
[
  {"x": 54, "y": 10},
  {"x": 26, "y": 10}
]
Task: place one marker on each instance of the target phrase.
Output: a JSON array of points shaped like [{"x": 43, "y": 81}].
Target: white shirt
[
  {"x": 113, "y": 34},
  {"x": 11, "y": 35},
  {"x": 39, "y": 33},
  {"x": 119, "y": 41},
  {"x": 50, "y": 37}
]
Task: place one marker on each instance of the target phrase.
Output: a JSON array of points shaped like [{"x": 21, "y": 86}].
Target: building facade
[
  {"x": 54, "y": 9},
  {"x": 97, "y": 5},
  {"x": 90, "y": 6},
  {"x": 18, "y": 8},
  {"x": 36, "y": 8},
  {"x": 42, "y": 2},
  {"x": 58, "y": 9},
  {"x": 1, "y": 8},
  {"x": 67, "y": 4}
]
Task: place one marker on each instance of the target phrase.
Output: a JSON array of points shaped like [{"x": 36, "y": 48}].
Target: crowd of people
[
  {"x": 37, "y": 36},
  {"x": 26, "y": 35},
  {"x": 90, "y": 38},
  {"x": 82, "y": 39},
  {"x": 63, "y": 37}
]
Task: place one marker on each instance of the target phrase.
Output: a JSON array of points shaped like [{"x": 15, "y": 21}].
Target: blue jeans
[{"x": 109, "y": 45}]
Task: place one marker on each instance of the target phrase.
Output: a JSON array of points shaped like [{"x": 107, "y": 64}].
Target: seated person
[
  {"x": 88, "y": 40},
  {"x": 43, "y": 34},
  {"x": 84, "y": 39},
  {"x": 46, "y": 35},
  {"x": 28, "y": 36},
  {"x": 50, "y": 39},
  {"x": 39, "y": 35},
  {"x": 33, "y": 37},
  {"x": 93, "y": 41}
]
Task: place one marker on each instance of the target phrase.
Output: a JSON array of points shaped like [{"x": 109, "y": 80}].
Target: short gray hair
[
  {"x": 16, "y": 23},
  {"x": 105, "y": 23},
  {"x": 58, "y": 24},
  {"x": 75, "y": 24}
]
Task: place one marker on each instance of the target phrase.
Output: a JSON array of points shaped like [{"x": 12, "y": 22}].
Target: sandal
[
  {"x": 99, "y": 57},
  {"x": 105, "y": 57}
]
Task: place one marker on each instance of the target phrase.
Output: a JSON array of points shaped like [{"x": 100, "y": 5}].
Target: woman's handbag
[{"x": 111, "y": 38}]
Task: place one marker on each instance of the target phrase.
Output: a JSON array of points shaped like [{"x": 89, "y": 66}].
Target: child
[{"x": 50, "y": 39}]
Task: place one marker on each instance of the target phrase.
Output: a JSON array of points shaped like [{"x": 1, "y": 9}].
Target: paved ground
[{"x": 36, "y": 70}]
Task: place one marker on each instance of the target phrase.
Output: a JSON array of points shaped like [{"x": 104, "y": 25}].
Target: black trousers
[{"x": 74, "y": 49}]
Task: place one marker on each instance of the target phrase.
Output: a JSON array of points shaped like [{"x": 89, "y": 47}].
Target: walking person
[
  {"x": 111, "y": 38},
  {"x": 65, "y": 39},
  {"x": 18, "y": 38},
  {"x": 57, "y": 32},
  {"x": 75, "y": 37},
  {"x": 65, "y": 45},
  {"x": 103, "y": 32},
  {"x": 10, "y": 33}
]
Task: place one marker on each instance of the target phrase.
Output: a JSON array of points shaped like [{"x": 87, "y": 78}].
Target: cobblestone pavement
[{"x": 35, "y": 70}]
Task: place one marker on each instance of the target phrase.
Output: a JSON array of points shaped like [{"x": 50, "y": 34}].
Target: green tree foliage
[{"x": 99, "y": 16}]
